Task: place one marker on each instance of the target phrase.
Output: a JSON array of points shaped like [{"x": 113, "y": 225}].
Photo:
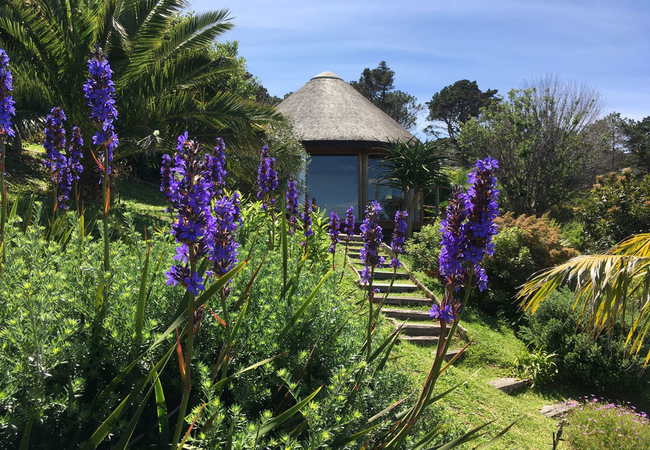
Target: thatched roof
[{"x": 329, "y": 109}]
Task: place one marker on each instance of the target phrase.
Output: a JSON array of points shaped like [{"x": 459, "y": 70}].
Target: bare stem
[{"x": 189, "y": 344}]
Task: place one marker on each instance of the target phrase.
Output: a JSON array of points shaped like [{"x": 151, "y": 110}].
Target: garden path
[{"x": 406, "y": 303}]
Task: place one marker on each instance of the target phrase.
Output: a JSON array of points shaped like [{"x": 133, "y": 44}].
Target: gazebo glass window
[
  {"x": 391, "y": 199},
  {"x": 332, "y": 181}
]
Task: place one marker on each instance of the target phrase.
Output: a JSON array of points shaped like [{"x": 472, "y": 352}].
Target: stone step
[
  {"x": 420, "y": 340},
  {"x": 405, "y": 301},
  {"x": 382, "y": 275},
  {"x": 451, "y": 353},
  {"x": 421, "y": 329},
  {"x": 383, "y": 287},
  {"x": 354, "y": 238},
  {"x": 406, "y": 314},
  {"x": 557, "y": 409},
  {"x": 509, "y": 385}
]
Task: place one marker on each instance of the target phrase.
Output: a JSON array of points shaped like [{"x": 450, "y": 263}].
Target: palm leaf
[{"x": 606, "y": 288}]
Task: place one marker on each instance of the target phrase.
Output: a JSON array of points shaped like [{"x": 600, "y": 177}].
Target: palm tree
[
  {"x": 164, "y": 69},
  {"x": 413, "y": 166},
  {"x": 609, "y": 289}
]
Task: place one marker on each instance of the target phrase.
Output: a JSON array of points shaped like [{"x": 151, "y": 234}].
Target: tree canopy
[
  {"x": 638, "y": 140},
  {"x": 538, "y": 136},
  {"x": 377, "y": 86},
  {"x": 456, "y": 104}
]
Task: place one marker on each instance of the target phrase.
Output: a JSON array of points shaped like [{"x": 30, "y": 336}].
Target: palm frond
[
  {"x": 607, "y": 289},
  {"x": 196, "y": 32}
]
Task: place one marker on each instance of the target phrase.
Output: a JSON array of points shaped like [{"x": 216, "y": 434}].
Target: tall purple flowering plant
[
  {"x": 205, "y": 225},
  {"x": 467, "y": 232},
  {"x": 369, "y": 254},
  {"x": 7, "y": 110},
  {"x": 267, "y": 179},
  {"x": 55, "y": 161},
  {"x": 189, "y": 189},
  {"x": 100, "y": 92},
  {"x": 372, "y": 237},
  {"x": 399, "y": 236},
  {"x": 292, "y": 205},
  {"x": 335, "y": 224}
]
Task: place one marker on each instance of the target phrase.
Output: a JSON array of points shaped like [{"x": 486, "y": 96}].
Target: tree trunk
[{"x": 409, "y": 200}]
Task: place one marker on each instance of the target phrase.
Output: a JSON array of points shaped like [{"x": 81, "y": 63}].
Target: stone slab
[{"x": 509, "y": 385}]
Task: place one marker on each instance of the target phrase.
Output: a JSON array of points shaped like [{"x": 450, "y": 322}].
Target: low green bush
[
  {"x": 423, "y": 249},
  {"x": 582, "y": 361},
  {"x": 537, "y": 365}
]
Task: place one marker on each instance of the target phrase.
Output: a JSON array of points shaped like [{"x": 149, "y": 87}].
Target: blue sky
[{"x": 432, "y": 44}]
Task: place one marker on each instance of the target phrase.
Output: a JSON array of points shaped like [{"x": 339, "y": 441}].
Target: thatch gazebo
[{"x": 344, "y": 134}]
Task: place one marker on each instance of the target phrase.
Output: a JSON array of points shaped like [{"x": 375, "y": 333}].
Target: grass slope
[{"x": 474, "y": 402}]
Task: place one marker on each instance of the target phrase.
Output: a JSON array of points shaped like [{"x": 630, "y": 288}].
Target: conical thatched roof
[{"x": 329, "y": 109}]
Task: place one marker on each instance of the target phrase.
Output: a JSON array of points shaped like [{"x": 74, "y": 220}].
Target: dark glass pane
[
  {"x": 332, "y": 182},
  {"x": 390, "y": 199}
]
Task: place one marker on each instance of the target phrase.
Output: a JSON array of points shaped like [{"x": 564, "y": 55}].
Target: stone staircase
[{"x": 408, "y": 302}]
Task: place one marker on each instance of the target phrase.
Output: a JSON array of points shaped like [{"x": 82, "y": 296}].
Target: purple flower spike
[
  {"x": 348, "y": 227},
  {"x": 335, "y": 224},
  {"x": 223, "y": 248},
  {"x": 193, "y": 182},
  {"x": 100, "y": 92},
  {"x": 306, "y": 219},
  {"x": 372, "y": 236},
  {"x": 482, "y": 209},
  {"x": 267, "y": 179},
  {"x": 467, "y": 232},
  {"x": 216, "y": 167},
  {"x": 7, "y": 108},
  {"x": 75, "y": 154},
  {"x": 187, "y": 186},
  {"x": 57, "y": 164},
  {"x": 292, "y": 205},
  {"x": 453, "y": 239},
  {"x": 399, "y": 235}
]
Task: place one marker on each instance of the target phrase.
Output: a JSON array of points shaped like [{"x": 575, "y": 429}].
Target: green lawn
[{"x": 474, "y": 402}]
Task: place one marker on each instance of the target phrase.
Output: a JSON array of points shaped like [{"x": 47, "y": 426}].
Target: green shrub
[
  {"x": 538, "y": 366},
  {"x": 423, "y": 249},
  {"x": 523, "y": 246},
  {"x": 617, "y": 207},
  {"x": 573, "y": 235},
  {"x": 581, "y": 361}
]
